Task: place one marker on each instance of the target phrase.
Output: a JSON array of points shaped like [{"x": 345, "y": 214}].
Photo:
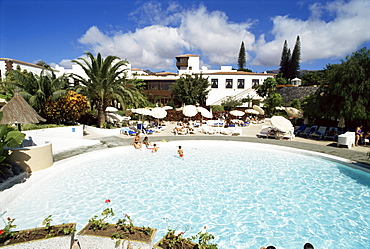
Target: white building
[
  {"x": 225, "y": 82},
  {"x": 7, "y": 64}
]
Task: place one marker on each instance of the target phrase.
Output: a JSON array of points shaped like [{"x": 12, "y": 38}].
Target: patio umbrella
[
  {"x": 167, "y": 107},
  {"x": 158, "y": 112},
  {"x": 251, "y": 111},
  {"x": 259, "y": 109},
  {"x": 237, "y": 113},
  {"x": 189, "y": 110},
  {"x": 205, "y": 113},
  {"x": 294, "y": 112},
  {"x": 18, "y": 111},
  {"x": 281, "y": 123},
  {"x": 111, "y": 109},
  {"x": 280, "y": 108}
]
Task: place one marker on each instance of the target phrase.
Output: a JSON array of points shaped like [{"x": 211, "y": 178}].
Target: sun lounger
[
  {"x": 264, "y": 132},
  {"x": 236, "y": 132},
  {"x": 332, "y": 133},
  {"x": 309, "y": 131},
  {"x": 319, "y": 133}
]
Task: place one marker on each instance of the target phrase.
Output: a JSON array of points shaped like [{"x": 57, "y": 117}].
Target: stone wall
[{"x": 290, "y": 93}]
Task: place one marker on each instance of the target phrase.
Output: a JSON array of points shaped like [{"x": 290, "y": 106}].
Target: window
[
  {"x": 214, "y": 83},
  {"x": 240, "y": 83},
  {"x": 255, "y": 82},
  {"x": 229, "y": 83}
]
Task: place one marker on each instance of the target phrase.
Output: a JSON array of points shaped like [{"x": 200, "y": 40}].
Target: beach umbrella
[
  {"x": 294, "y": 112},
  {"x": 205, "y": 113},
  {"x": 282, "y": 124},
  {"x": 167, "y": 107},
  {"x": 280, "y": 108},
  {"x": 142, "y": 111},
  {"x": 158, "y": 112},
  {"x": 259, "y": 109},
  {"x": 18, "y": 111},
  {"x": 237, "y": 113},
  {"x": 111, "y": 109},
  {"x": 190, "y": 110},
  {"x": 341, "y": 123},
  {"x": 251, "y": 111}
]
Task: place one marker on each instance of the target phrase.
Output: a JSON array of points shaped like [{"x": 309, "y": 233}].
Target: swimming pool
[{"x": 248, "y": 195}]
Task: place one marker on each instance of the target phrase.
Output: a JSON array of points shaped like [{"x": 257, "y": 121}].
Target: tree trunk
[{"x": 101, "y": 115}]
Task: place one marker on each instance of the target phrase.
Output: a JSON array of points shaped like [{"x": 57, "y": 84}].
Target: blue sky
[{"x": 149, "y": 34}]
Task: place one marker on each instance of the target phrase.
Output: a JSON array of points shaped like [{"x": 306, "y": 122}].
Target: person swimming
[
  {"x": 180, "y": 152},
  {"x": 155, "y": 148}
]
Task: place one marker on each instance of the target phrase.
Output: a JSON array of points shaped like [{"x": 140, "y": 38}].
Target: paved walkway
[{"x": 107, "y": 138}]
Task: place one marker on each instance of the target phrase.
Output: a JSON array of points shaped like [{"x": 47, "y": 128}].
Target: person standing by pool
[
  {"x": 180, "y": 152},
  {"x": 358, "y": 134}
]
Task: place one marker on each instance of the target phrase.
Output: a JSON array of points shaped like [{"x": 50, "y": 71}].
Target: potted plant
[
  {"x": 123, "y": 233},
  {"x": 199, "y": 241},
  {"x": 49, "y": 236}
]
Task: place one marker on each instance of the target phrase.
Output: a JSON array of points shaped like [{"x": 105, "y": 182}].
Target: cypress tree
[
  {"x": 294, "y": 60},
  {"x": 241, "y": 57},
  {"x": 284, "y": 61}
]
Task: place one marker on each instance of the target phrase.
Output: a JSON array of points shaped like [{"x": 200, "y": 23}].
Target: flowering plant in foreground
[
  {"x": 6, "y": 233},
  {"x": 100, "y": 224}
]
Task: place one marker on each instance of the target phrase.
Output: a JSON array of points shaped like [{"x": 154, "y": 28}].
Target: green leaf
[{"x": 14, "y": 138}]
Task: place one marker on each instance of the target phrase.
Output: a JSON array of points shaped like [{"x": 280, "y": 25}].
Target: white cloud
[
  {"x": 199, "y": 31},
  {"x": 173, "y": 30},
  {"x": 319, "y": 39}
]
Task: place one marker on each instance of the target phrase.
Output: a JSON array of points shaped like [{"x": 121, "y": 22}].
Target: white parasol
[
  {"x": 294, "y": 112},
  {"x": 251, "y": 111},
  {"x": 167, "y": 107},
  {"x": 280, "y": 108},
  {"x": 142, "y": 111},
  {"x": 111, "y": 109},
  {"x": 205, "y": 113},
  {"x": 258, "y": 109},
  {"x": 189, "y": 110},
  {"x": 282, "y": 124},
  {"x": 341, "y": 123},
  {"x": 237, "y": 113},
  {"x": 158, "y": 112}
]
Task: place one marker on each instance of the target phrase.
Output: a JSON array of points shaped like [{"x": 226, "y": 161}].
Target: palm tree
[
  {"x": 37, "y": 89},
  {"x": 107, "y": 83}
]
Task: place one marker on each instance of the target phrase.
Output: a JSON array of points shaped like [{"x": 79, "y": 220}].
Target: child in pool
[
  {"x": 180, "y": 152},
  {"x": 155, "y": 148}
]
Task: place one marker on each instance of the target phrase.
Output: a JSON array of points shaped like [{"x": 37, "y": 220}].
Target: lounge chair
[
  {"x": 311, "y": 130},
  {"x": 180, "y": 131},
  {"x": 332, "y": 133},
  {"x": 207, "y": 130},
  {"x": 299, "y": 129},
  {"x": 236, "y": 132},
  {"x": 319, "y": 133},
  {"x": 264, "y": 132},
  {"x": 289, "y": 135}
]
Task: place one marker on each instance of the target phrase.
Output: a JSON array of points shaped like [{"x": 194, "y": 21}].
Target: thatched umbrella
[{"x": 18, "y": 111}]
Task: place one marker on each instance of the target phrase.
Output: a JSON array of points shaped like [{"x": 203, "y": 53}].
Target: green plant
[
  {"x": 118, "y": 236},
  {"x": 99, "y": 224},
  {"x": 125, "y": 224},
  {"x": 203, "y": 240},
  {"x": 8, "y": 138},
  {"x": 7, "y": 231},
  {"x": 47, "y": 222}
]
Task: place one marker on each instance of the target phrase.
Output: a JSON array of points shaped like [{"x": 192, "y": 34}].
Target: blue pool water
[{"x": 247, "y": 195}]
